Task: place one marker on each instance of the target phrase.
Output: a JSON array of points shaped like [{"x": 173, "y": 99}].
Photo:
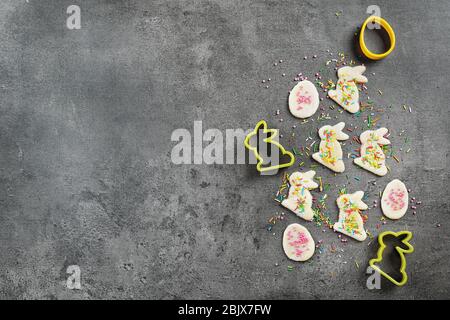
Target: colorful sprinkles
[{"x": 369, "y": 116}]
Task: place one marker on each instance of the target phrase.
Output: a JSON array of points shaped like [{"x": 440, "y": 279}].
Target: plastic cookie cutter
[
  {"x": 407, "y": 236},
  {"x": 272, "y": 134},
  {"x": 386, "y": 26}
]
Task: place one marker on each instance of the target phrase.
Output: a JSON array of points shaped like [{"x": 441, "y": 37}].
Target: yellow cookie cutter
[
  {"x": 386, "y": 26},
  {"x": 268, "y": 140},
  {"x": 400, "y": 251}
]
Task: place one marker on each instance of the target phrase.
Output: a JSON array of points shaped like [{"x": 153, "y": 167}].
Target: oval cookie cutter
[{"x": 386, "y": 26}]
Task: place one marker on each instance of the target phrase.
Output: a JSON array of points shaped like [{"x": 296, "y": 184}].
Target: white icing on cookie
[
  {"x": 330, "y": 151},
  {"x": 298, "y": 243},
  {"x": 346, "y": 93},
  {"x": 372, "y": 157},
  {"x": 299, "y": 199},
  {"x": 303, "y": 99},
  {"x": 350, "y": 221},
  {"x": 394, "y": 201}
]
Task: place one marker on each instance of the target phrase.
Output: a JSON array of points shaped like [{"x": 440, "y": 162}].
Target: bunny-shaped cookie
[
  {"x": 330, "y": 151},
  {"x": 346, "y": 93},
  {"x": 299, "y": 199},
  {"x": 372, "y": 156},
  {"x": 350, "y": 221}
]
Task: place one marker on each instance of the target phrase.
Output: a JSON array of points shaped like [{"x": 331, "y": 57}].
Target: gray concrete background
[{"x": 85, "y": 125}]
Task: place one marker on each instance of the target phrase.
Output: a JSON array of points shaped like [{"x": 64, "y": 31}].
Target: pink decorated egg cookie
[
  {"x": 394, "y": 201},
  {"x": 303, "y": 99},
  {"x": 298, "y": 243}
]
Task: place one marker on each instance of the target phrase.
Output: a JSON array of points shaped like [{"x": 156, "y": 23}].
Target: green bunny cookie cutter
[
  {"x": 262, "y": 125},
  {"x": 400, "y": 251}
]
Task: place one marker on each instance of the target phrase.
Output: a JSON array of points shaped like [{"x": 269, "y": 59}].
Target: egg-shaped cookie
[
  {"x": 298, "y": 243},
  {"x": 303, "y": 99},
  {"x": 394, "y": 201}
]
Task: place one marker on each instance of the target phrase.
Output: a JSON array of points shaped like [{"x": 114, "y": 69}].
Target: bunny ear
[
  {"x": 262, "y": 127},
  {"x": 364, "y": 135},
  {"x": 353, "y": 73},
  {"x": 358, "y": 195},
  {"x": 342, "y": 136},
  {"x": 384, "y": 141},
  {"x": 380, "y": 133},
  {"x": 339, "y": 134},
  {"x": 294, "y": 177},
  {"x": 339, "y": 127},
  {"x": 309, "y": 174},
  {"x": 358, "y": 71},
  {"x": 345, "y": 72},
  {"x": 312, "y": 185},
  {"x": 362, "y": 205},
  {"x": 361, "y": 79}
]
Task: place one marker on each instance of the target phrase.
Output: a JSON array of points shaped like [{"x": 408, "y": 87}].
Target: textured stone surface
[{"x": 85, "y": 123}]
